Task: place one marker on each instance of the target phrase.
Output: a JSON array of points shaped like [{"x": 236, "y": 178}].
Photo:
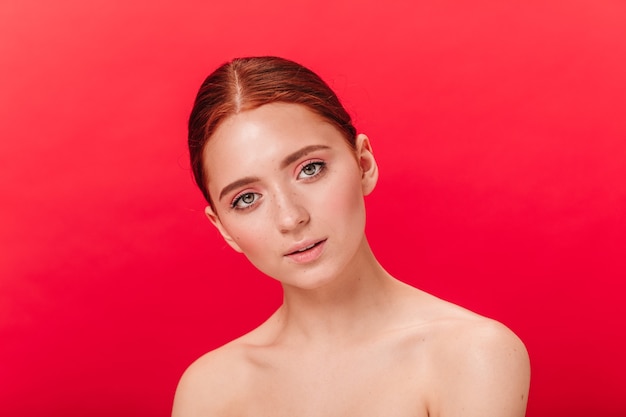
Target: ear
[
  {"x": 367, "y": 163},
  {"x": 210, "y": 213}
]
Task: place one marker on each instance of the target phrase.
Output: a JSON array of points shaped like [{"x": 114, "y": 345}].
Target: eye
[
  {"x": 311, "y": 169},
  {"x": 245, "y": 200}
]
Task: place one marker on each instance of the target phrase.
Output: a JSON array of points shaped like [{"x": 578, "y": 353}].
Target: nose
[{"x": 290, "y": 213}]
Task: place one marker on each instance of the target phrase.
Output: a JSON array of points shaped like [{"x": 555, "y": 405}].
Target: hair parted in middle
[{"x": 247, "y": 83}]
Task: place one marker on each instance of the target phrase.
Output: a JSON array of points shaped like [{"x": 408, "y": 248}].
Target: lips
[
  {"x": 302, "y": 247},
  {"x": 306, "y": 251}
]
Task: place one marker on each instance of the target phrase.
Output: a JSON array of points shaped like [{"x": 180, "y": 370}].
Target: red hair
[{"x": 247, "y": 83}]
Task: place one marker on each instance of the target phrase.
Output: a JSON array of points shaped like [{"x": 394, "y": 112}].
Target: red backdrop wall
[{"x": 500, "y": 133}]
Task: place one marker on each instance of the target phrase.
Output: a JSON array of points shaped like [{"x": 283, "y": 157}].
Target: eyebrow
[
  {"x": 288, "y": 160},
  {"x": 236, "y": 184}
]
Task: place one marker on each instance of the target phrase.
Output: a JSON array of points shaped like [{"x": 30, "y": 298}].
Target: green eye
[
  {"x": 309, "y": 169},
  {"x": 312, "y": 169},
  {"x": 245, "y": 200}
]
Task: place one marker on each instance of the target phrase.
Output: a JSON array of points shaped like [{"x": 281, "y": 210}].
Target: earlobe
[
  {"x": 367, "y": 163},
  {"x": 215, "y": 220}
]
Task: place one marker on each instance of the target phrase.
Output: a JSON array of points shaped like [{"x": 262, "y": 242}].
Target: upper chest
[{"x": 378, "y": 379}]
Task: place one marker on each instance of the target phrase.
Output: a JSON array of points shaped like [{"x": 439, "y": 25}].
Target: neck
[{"x": 351, "y": 306}]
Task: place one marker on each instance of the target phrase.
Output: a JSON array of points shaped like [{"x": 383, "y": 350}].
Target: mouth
[
  {"x": 306, "y": 248},
  {"x": 307, "y": 252}
]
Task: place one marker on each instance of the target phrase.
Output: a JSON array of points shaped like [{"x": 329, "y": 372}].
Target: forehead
[{"x": 262, "y": 136}]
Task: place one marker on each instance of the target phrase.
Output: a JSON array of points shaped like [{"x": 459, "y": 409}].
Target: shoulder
[
  {"x": 215, "y": 384},
  {"x": 481, "y": 368},
  {"x": 458, "y": 333},
  {"x": 218, "y": 383},
  {"x": 209, "y": 385},
  {"x": 471, "y": 365},
  {"x": 471, "y": 340}
]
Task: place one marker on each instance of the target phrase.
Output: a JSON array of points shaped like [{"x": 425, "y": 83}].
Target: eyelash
[
  {"x": 239, "y": 198},
  {"x": 319, "y": 165}
]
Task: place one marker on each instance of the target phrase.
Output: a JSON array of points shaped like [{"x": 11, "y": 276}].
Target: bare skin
[{"x": 349, "y": 339}]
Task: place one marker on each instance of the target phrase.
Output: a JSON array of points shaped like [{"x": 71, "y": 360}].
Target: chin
[{"x": 314, "y": 277}]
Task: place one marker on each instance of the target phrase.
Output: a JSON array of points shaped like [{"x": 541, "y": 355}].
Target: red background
[{"x": 500, "y": 132}]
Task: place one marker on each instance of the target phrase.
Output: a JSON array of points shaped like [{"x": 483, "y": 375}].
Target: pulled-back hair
[{"x": 248, "y": 83}]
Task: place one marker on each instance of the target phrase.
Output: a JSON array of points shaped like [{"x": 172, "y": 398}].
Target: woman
[{"x": 285, "y": 175}]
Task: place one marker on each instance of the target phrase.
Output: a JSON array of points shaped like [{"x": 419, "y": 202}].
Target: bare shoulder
[
  {"x": 458, "y": 329},
  {"x": 209, "y": 385},
  {"x": 473, "y": 341},
  {"x": 215, "y": 384},
  {"x": 479, "y": 366}
]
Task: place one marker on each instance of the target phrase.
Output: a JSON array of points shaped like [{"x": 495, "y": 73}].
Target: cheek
[
  {"x": 346, "y": 200},
  {"x": 255, "y": 241},
  {"x": 250, "y": 236}
]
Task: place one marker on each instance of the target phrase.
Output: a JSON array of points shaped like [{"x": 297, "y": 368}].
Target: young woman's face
[{"x": 287, "y": 191}]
